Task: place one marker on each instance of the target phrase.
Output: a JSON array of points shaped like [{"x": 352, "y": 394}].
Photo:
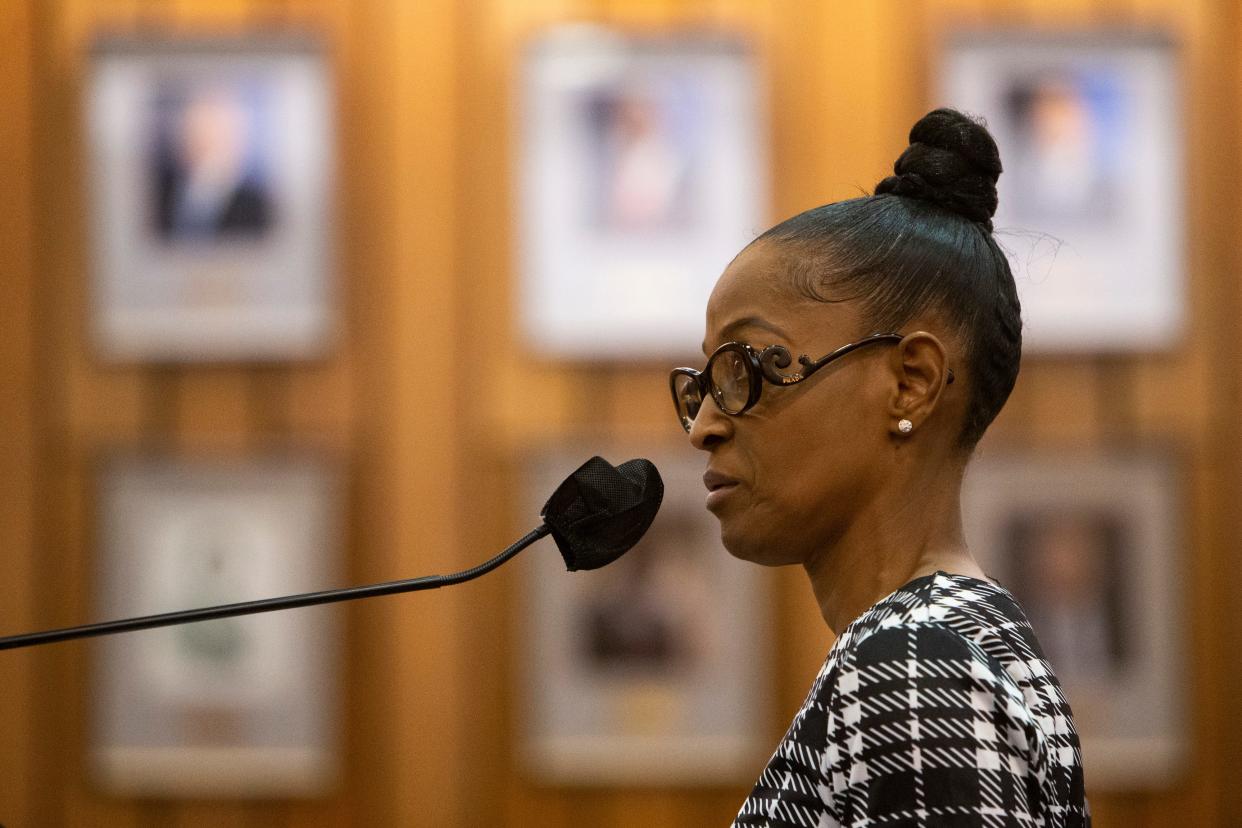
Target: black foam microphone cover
[{"x": 601, "y": 510}]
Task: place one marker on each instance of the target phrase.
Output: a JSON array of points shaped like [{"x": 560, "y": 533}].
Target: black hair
[{"x": 923, "y": 242}]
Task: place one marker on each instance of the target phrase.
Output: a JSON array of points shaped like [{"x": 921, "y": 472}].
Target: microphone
[
  {"x": 600, "y": 511},
  {"x": 597, "y": 514}
]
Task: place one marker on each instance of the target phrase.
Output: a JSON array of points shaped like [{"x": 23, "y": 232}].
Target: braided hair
[{"x": 923, "y": 242}]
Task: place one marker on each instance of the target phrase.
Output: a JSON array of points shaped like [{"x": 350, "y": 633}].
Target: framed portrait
[
  {"x": 1092, "y": 197},
  {"x": 1091, "y": 546},
  {"x": 652, "y": 670},
  {"x": 625, "y": 215},
  {"x": 233, "y": 707},
  {"x": 211, "y": 193}
]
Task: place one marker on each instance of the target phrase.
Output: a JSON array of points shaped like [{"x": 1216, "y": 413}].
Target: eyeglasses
[{"x": 735, "y": 372}]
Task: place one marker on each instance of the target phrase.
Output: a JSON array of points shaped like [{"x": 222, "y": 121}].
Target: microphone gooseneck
[
  {"x": 597, "y": 514},
  {"x": 306, "y": 599}
]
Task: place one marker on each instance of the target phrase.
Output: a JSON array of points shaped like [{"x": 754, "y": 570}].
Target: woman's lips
[{"x": 719, "y": 486}]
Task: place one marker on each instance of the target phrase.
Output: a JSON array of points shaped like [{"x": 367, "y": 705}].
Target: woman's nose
[{"x": 710, "y": 426}]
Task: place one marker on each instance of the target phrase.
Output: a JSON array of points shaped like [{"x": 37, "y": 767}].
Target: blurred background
[{"x": 352, "y": 368}]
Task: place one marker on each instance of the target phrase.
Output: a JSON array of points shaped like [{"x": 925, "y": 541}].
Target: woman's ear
[{"x": 919, "y": 363}]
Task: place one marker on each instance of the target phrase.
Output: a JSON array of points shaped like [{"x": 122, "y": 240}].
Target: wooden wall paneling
[
  {"x": 105, "y": 403},
  {"x": 490, "y": 60},
  {"x": 640, "y": 404},
  {"x": 849, "y": 133},
  {"x": 1063, "y": 401},
  {"x": 17, "y": 406},
  {"x": 655, "y": 807},
  {"x": 753, "y": 18},
  {"x": 321, "y": 400},
  {"x": 874, "y": 87},
  {"x": 518, "y": 399},
  {"x": 406, "y": 402},
  {"x": 269, "y": 406},
  {"x": 906, "y": 52},
  {"x": 99, "y": 404},
  {"x": 1208, "y": 63},
  {"x": 208, "y": 814},
  {"x": 214, "y": 409},
  {"x": 649, "y": 15},
  {"x": 797, "y": 87},
  {"x": 1212, "y": 71},
  {"x": 1226, "y": 424},
  {"x": 1116, "y": 403},
  {"x": 1149, "y": 12},
  {"x": 430, "y": 658},
  {"x": 210, "y": 16},
  {"x": 1066, "y": 14},
  {"x": 317, "y": 400},
  {"x": 366, "y": 256},
  {"x": 534, "y": 394},
  {"x": 56, "y": 755}
]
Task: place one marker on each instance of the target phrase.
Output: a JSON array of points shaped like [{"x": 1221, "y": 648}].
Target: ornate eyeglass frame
[{"x": 765, "y": 365}]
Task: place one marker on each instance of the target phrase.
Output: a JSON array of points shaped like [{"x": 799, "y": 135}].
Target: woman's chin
[{"x": 746, "y": 546}]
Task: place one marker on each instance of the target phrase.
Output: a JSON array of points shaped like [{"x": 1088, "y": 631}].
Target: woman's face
[{"x": 805, "y": 458}]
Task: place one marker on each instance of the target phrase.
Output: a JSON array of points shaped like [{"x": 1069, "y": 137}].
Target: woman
[{"x": 935, "y": 705}]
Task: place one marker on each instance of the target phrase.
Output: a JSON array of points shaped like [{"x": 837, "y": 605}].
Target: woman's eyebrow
[{"x": 730, "y": 330}]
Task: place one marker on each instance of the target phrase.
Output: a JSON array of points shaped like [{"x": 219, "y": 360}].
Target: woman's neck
[{"x": 906, "y": 532}]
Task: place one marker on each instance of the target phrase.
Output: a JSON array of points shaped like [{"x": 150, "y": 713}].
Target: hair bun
[{"x": 952, "y": 161}]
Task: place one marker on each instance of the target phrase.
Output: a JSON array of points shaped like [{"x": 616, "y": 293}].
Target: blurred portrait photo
[
  {"x": 630, "y": 670},
  {"x": 1090, "y": 543},
  {"x": 645, "y": 138},
  {"x": 642, "y": 172},
  {"x": 212, "y": 707},
  {"x": 1091, "y": 210},
  {"x": 1066, "y": 573},
  {"x": 211, "y": 165},
  {"x": 212, "y": 202},
  {"x": 649, "y": 612},
  {"x": 1063, "y": 159}
]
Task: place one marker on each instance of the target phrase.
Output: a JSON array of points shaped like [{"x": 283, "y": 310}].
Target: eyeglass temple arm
[
  {"x": 815, "y": 365},
  {"x": 775, "y": 357}
]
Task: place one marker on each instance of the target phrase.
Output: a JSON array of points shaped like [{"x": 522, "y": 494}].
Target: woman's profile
[{"x": 856, "y": 354}]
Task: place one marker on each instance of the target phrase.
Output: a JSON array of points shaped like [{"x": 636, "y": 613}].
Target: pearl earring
[{"x": 905, "y": 426}]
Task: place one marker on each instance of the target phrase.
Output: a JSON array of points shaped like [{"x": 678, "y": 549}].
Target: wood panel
[
  {"x": 17, "y": 404},
  {"x": 434, "y": 401}
]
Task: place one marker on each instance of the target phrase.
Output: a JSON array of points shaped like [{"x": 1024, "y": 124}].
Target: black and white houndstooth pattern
[{"x": 935, "y": 707}]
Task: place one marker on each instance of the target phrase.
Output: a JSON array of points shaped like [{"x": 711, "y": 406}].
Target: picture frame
[
  {"x": 1091, "y": 544},
  {"x": 1092, "y": 197},
  {"x": 653, "y": 670},
  {"x": 238, "y": 707},
  {"x": 211, "y": 193},
  {"x": 623, "y": 227}
]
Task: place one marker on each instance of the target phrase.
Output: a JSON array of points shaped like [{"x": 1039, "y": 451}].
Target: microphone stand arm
[{"x": 306, "y": 599}]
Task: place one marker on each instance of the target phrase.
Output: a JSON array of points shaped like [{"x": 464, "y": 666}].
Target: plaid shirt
[{"x": 935, "y": 707}]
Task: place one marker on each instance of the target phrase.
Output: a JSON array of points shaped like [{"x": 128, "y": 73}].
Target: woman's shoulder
[
  {"x": 981, "y": 611},
  {"x": 921, "y": 689},
  {"x": 955, "y": 632},
  {"x": 951, "y": 622}
]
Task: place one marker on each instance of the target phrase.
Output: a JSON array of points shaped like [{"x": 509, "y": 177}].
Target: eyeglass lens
[
  {"x": 689, "y": 400},
  {"x": 729, "y": 373}
]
